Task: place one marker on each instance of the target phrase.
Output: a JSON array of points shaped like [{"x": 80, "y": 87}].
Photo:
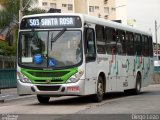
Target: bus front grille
[
  {"x": 49, "y": 74},
  {"x": 45, "y": 81},
  {"x": 48, "y": 88}
]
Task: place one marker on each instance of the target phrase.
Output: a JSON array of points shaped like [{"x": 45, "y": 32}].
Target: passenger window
[
  {"x": 121, "y": 42},
  {"x": 145, "y": 45},
  {"x": 111, "y": 45},
  {"x": 130, "y": 43},
  {"x": 137, "y": 38},
  {"x": 150, "y": 47},
  {"x": 100, "y": 39}
]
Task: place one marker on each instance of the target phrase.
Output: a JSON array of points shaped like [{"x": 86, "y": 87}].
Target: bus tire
[
  {"x": 98, "y": 97},
  {"x": 137, "y": 89},
  {"x": 43, "y": 99}
]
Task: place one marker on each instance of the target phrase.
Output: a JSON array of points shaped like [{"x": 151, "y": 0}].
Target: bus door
[{"x": 90, "y": 58}]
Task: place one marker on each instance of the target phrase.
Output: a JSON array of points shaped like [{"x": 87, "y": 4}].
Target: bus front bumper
[{"x": 51, "y": 89}]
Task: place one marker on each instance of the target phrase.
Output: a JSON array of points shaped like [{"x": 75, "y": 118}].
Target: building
[
  {"x": 107, "y": 9},
  {"x": 155, "y": 46}
]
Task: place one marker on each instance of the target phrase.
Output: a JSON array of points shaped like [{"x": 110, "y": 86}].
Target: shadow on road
[{"x": 82, "y": 100}]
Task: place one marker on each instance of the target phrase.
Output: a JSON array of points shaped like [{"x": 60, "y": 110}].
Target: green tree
[
  {"x": 9, "y": 18},
  {"x": 7, "y": 50},
  {"x": 10, "y": 13}
]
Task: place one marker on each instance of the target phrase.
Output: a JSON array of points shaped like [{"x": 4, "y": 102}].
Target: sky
[{"x": 145, "y": 12}]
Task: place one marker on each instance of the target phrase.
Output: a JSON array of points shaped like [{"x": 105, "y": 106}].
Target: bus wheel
[
  {"x": 98, "y": 97},
  {"x": 43, "y": 99},
  {"x": 137, "y": 89}
]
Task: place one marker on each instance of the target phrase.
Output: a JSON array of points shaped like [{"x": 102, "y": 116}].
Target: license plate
[{"x": 73, "y": 89}]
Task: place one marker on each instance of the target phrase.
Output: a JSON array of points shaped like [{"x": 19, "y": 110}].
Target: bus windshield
[{"x": 58, "y": 48}]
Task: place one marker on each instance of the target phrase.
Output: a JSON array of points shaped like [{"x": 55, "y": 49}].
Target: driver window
[{"x": 90, "y": 43}]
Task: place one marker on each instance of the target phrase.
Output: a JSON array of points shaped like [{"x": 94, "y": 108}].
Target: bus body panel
[{"x": 26, "y": 88}]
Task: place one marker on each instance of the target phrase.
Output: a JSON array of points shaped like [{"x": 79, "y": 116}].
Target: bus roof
[{"x": 95, "y": 20}]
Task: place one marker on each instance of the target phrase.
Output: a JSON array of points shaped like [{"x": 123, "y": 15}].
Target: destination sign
[{"x": 50, "y": 22}]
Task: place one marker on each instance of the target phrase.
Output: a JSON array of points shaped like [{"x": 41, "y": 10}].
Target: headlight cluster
[
  {"x": 75, "y": 78},
  {"x": 22, "y": 78}
]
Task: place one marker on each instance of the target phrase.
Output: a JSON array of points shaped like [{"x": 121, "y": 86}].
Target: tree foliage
[
  {"x": 7, "y": 50},
  {"x": 9, "y": 18},
  {"x": 10, "y": 13}
]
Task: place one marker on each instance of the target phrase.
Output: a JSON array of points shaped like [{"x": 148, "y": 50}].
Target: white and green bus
[{"x": 74, "y": 55}]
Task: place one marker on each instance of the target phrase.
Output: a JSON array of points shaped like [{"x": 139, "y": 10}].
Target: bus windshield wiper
[{"x": 58, "y": 35}]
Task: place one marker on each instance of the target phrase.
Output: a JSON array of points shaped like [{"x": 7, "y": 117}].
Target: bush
[{"x": 7, "y": 50}]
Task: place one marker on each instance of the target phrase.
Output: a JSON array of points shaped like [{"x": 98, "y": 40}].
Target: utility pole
[
  {"x": 156, "y": 38},
  {"x": 87, "y": 7},
  {"x": 20, "y": 10}
]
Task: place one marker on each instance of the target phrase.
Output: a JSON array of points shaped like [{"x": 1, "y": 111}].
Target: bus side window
[
  {"x": 145, "y": 45},
  {"x": 150, "y": 47},
  {"x": 111, "y": 46},
  {"x": 100, "y": 39},
  {"x": 90, "y": 45},
  {"x": 130, "y": 43},
  {"x": 121, "y": 42},
  {"x": 138, "y": 44}
]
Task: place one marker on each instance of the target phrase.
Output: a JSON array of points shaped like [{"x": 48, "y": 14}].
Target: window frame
[
  {"x": 110, "y": 36},
  {"x": 100, "y": 39},
  {"x": 138, "y": 44},
  {"x": 91, "y": 8},
  {"x": 70, "y": 7},
  {"x": 90, "y": 57},
  {"x": 129, "y": 42},
  {"x": 121, "y": 40}
]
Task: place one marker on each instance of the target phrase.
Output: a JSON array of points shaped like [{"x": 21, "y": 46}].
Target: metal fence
[{"x": 7, "y": 72}]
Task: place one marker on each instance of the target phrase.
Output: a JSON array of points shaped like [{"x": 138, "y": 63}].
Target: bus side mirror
[{"x": 9, "y": 39}]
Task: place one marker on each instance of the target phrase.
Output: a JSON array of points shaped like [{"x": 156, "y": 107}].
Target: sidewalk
[
  {"x": 10, "y": 94},
  {"x": 156, "y": 78}
]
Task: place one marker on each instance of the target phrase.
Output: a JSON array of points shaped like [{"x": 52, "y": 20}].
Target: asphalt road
[{"x": 115, "y": 106}]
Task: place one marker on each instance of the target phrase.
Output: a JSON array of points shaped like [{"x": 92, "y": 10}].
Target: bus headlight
[
  {"x": 72, "y": 80},
  {"x": 76, "y": 77},
  {"x": 22, "y": 78}
]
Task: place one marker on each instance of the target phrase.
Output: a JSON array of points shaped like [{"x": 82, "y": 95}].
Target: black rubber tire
[
  {"x": 43, "y": 99},
  {"x": 98, "y": 97},
  {"x": 137, "y": 89}
]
